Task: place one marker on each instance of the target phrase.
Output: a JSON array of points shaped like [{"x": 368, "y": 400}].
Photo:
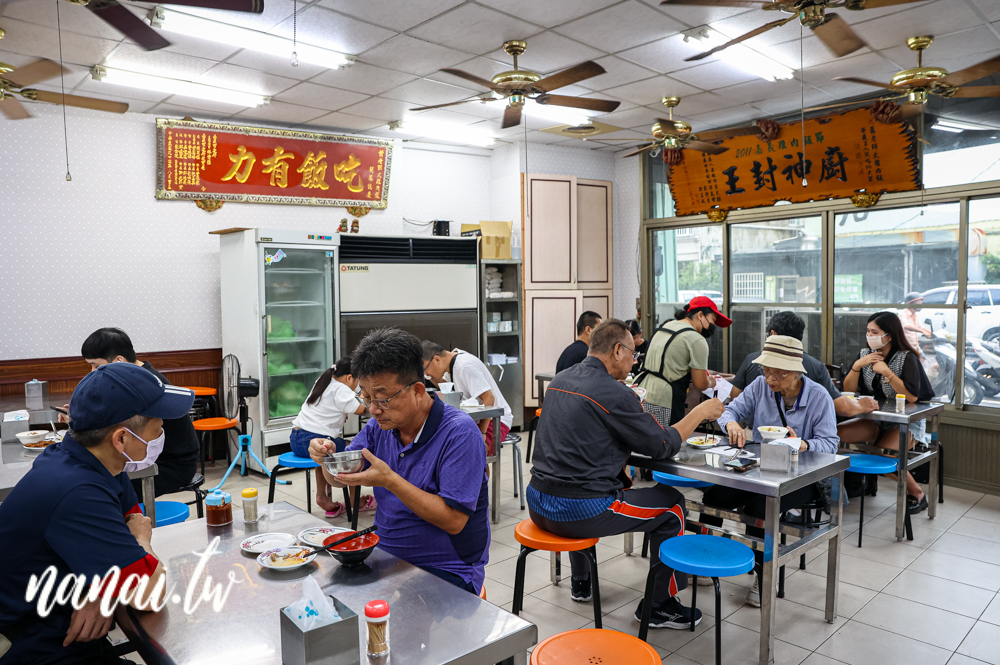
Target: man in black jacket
[
  {"x": 178, "y": 462},
  {"x": 590, "y": 425}
]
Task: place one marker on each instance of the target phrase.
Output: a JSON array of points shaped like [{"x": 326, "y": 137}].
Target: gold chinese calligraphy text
[
  {"x": 345, "y": 172},
  {"x": 238, "y": 160},
  {"x": 277, "y": 166},
  {"x": 313, "y": 171}
]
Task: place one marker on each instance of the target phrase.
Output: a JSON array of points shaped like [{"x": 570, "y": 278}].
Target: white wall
[
  {"x": 627, "y": 219},
  {"x": 101, "y": 251}
]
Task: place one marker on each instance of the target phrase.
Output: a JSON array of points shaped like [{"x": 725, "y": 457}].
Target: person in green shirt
[{"x": 678, "y": 357}]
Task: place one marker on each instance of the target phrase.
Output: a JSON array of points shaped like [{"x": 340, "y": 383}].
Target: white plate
[
  {"x": 703, "y": 442},
  {"x": 264, "y": 558},
  {"x": 33, "y": 449},
  {"x": 316, "y": 535},
  {"x": 266, "y": 541}
]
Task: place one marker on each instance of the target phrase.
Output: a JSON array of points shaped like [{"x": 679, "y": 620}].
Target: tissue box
[
  {"x": 775, "y": 457},
  {"x": 336, "y": 643},
  {"x": 496, "y": 358},
  {"x": 36, "y": 394},
  {"x": 492, "y": 326},
  {"x": 505, "y": 326},
  {"x": 495, "y": 316}
]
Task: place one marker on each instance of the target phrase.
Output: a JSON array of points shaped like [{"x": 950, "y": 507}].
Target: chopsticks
[{"x": 317, "y": 550}]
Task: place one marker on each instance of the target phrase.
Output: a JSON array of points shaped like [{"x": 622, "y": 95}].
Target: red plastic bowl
[{"x": 353, "y": 552}]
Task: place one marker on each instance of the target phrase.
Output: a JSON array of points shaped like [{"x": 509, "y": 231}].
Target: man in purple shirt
[{"x": 425, "y": 461}]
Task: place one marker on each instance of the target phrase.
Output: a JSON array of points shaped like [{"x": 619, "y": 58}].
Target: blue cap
[{"x": 118, "y": 391}]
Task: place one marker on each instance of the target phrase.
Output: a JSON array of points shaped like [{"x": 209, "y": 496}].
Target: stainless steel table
[
  {"x": 543, "y": 378},
  {"x": 10, "y": 474},
  {"x": 432, "y": 621},
  {"x": 495, "y": 413},
  {"x": 811, "y": 467},
  {"x": 913, "y": 458}
]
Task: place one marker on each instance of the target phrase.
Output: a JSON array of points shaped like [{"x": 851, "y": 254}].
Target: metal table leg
[
  {"x": 901, "y": 459},
  {"x": 541, "y": 391},
  {"x": 833, "y": 554},
  {"x": 628, "y": 544},
  {"x": 768, "y": 602},
  {"x": 149, "y": 499},
  {"x": 933, "y": 484}
]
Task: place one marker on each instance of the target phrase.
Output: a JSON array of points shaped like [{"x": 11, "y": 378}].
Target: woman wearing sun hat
[{"x": 782, "y": 396}]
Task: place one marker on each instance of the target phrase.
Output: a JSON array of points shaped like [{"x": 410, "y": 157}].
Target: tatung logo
[
  {"x": 354, "y": 267},
  {"x": 77, "y": 591}
]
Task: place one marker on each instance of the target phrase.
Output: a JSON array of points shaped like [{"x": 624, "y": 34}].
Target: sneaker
[
  {"x": 913, "y": 506},
  {"x": 753, "y": 596},
  {"x": 672, "y": 615},
  {"x": 581, "y": 590}
]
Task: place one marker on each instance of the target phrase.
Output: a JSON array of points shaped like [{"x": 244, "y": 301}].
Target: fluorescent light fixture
[
  {"x": 562, "y": 114},
  {"x": 947, "y": 128},
  {"x": 254, "y": 40},
  {"x": 177, "y": 87},
  {"x": 445, "y": 132},
  {"x": 740, "y": 55},
  {"x": 961, "y": 124}
]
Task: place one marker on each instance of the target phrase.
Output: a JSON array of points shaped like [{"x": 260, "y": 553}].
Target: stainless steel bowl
[{"x": 350, "y": 461}]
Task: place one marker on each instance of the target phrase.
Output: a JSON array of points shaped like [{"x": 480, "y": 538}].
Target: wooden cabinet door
[
  {"x": 549, "y": 327},
  {"x": 601, "y": 301},
  {"x": 594, "y": 250},
  {"x": 550, "y": 236}
]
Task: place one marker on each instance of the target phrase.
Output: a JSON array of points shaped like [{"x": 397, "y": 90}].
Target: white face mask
[
  {"x": 153, "y": 450},
  {"x": 875, "y": 341}
]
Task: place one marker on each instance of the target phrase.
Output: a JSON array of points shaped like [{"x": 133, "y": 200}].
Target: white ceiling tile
[
  {"x": 637, "y": 117},
  {"x": 91, "y": 88},
  {"x": 448, "y": 117},
  {"x": 275, "y": 11},
  {"x": 320, "y": 96},
  {"x": 199, "y": 48},
  {"x": 474, "y": 28},
  {"x": 363, "y": 77},
  {"x": 989, "y": 8},
  {"x": 978, "y": 41},
  {"x": 549, "y": 52},
  {"x": 938, "y": 18},
  {"x": 741, "y": 24},
  {"x": 537, "y": 137},
  {"x": 481, "y": 67},
  {"x": 248, "y": 80},
  {"x": 714, "y": 75},
  {"x": 322, "y": 27},
  {"x": 842, "y": 90},
  {"x": 704, "y": 103},
  {"x": 423, "y": 92},
  {"x": 623, "y": 105},
  {"x": 620, "y": 27},
  {"x": 695, "y": 15},
  {"x": 169, "y": 110},
  {"x": 739, "y": 115},
  {"x": 814, "y": 52},
  {"x": 16, "y": 59},
  {"x": 344, "y": 122},
  {"x": 414, "y": 56},
  {"x": 43, "y": 42},
  {"x": 866, "y": 65},
  {"x": 479, "y": 110},
  {"x": 278, "y": 65},
  {"x": 789, "y": 103},
  {"x": 158, "y": 63},
  {"x": 552, "y": 12},
  {"x": 392, "y": 14},
  {"x": 666, "y": 55},
  {"x": 75, "y": 18},
  {"x": 201, "y": 105},
  {"x": 651, "y": 90},
  {"x": 282, "y": 112},
  {"x": 758, "y": 89},
  {"x": 380, "y": 108},
  {"x": 853, "y": 17},
  {"x": 619, "y": 72}
]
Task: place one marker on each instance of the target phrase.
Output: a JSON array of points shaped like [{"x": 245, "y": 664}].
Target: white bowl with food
[
  {"x": 264, "y": 542},
  {"x": 704, "y": 441},
  {"x": 771, "y": 433},
  {"x": 32, "y": 436},
  {"x": 349, "y": 461},
  {"x": 286, "y": 558}
]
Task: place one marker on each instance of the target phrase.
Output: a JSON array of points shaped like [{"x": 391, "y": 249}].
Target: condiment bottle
[
  {"x": 377, "y": 618},
  {"x": 250, "y": 505},
  {"x": 900, "y": 403},
  {"x": 219, "y": 508}
]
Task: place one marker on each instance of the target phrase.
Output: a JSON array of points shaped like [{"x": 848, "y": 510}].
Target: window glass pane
[
  {"x": 882, "y": 255},
  {"x": 937, "y": 351},
  {"x": 964, "y": 134},
  {"x": 660, "y": 202},
  {"x": 938, "y": 296},
  {"x": 982, "y": 319},
  {"x": 751, "y": 325},
  {"x": 778, "y": 261}
]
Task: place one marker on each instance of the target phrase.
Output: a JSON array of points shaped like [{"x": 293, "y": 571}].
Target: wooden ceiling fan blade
[
  {"x": 875, "y": 4},
  {"x": 602, "y": 105},
  {"x": 719, "y": 134},
  {"x": 37, "y": 71},
  {"x": 438, "y": 106},
  {"x": 511, "y": 117},
  {"x": 478, "y": 80},
  {"x": 581, "y": 72},
  {"x": 838, "y": 36},
  {"x": 640, "y": 150},
  {"x": 979, "y": 91},
  {"x": 874, "y": 84},
  {"x": 716, "y": 3},
  {"x": 79, "y": 102},
  {"x": 742, "y": 38},
  {"x": 711, "y": 149},
  {"x": 130, "y": 25},
  {"x": 13, "y": 109},
  {"x": 251, "y": 6},
  {"x": 973, "y": 73}
]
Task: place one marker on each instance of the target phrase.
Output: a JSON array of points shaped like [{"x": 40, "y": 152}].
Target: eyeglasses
[
  {"x": 635, "y": 354},
  {"x": 773, "y": 373},
  {"x": 382, "y": 404}
]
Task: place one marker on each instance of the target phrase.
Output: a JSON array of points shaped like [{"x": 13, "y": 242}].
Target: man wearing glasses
[
  {"x": 425, "y": 460},
  {"x": 590, "y": 425}
]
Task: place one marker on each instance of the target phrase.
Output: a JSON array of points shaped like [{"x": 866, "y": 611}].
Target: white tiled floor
[{"x": 930, "y": 601}]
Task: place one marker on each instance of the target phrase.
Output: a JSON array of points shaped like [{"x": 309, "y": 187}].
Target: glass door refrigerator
[{"x": 280, "y": 318}]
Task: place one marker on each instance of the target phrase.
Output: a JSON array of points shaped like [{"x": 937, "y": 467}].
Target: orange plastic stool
[
  {"x": 201, "y": 391},
  {"x": 482, "y": 592},
  {"x": 533, "y": 538},
  {"x": 531, "y": 432},
  {"x": 208, "y": 425},
  {"x": 588, "y": 645}
]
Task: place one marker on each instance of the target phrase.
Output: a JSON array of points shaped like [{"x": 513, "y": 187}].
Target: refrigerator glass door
[{"x": 297, "y": 328}]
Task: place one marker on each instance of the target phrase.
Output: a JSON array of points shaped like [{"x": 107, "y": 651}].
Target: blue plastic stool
[
  {"x": 701, "y": 556},
  {"x": 293, "y": 461},
  {"x": 875, "y": 465},
  {"x": 169, "y": 512},
  {"x": 670, "y": 480}
]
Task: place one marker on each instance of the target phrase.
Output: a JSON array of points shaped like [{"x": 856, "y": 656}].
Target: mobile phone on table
[
  {"x": 741, "y": 465},
  {"x": 60, "y": 410}
]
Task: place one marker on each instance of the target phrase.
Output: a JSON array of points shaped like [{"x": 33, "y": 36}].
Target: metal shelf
[
  {"x": 292, "y": 271},
  {"x": 489, "y": 300},
  {"x": 295, "y": 303},
  {"x": 290, "y": 340},
  {"x": 502, "y": 334}
]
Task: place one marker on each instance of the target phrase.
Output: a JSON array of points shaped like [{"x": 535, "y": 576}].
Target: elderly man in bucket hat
[{"x": 783, "y": 396}]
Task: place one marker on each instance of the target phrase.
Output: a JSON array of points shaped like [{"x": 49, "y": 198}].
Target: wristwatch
[{"x": 808, "y": 447}]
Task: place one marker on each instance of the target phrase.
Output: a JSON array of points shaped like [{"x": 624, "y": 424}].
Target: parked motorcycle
[
  {"x": 985, "y": 361},
  {"x": 940, "y": 360}
]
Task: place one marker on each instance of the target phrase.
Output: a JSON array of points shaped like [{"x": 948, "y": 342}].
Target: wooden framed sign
[{"x": 202, "y": 160}]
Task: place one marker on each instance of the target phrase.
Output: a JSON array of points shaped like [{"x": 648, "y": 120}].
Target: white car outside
[{"x": 982, "y": 319}]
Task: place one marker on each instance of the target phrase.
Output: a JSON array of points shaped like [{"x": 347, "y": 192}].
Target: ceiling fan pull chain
[
  {"x": 802, "y": 106},
  {"x": 295, "y": 33},
  {"x": 62, "y": 85}
]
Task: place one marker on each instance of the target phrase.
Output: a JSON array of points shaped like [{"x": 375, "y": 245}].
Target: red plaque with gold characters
[
  {"x": 837, "y": 156},
  {"x": 202, "y": 160}
]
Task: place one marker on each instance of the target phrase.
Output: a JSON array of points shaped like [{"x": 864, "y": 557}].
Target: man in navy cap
[{"x": 76, "y": 511}]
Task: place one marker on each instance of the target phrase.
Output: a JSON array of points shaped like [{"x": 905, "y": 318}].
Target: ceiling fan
[
  {"x": 519, "y": 85},
  {"x": 121, "y": 19},
  {"x": 673, "y": 134},
  {"x": 15, "y": 81},
  {"x": 832, "y": 30}
]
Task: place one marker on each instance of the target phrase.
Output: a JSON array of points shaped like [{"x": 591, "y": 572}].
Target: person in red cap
[{"x": 677, "y": 357}]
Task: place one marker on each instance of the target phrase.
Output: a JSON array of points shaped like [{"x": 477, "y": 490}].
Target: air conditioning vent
[
  {"x": 381, "y": 249},
  {"x": 426, "y": 250},
  {"x": 354, "y": 249}
]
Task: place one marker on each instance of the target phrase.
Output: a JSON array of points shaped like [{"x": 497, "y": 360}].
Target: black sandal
[{"x": 913, "y": 506}]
